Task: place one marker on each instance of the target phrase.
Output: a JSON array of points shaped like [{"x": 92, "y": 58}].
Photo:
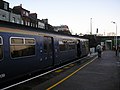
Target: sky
[{"x": 76, "y": 14}]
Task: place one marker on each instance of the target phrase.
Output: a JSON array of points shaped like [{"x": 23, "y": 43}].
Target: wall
[{"x": 4, "y": 15}]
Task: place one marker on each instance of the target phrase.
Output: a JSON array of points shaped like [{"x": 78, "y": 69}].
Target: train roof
[{"x": 33, "y": 29}]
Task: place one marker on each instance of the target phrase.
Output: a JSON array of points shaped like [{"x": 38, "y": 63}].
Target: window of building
[
  {"x": 23, "y": 12},
  {"x": 27, "y": 14},
  {"x": 4, "y": 17},
  {"x": 21, "y": 47},
  {"x": 22, "y": 22},
  {"x": 5, "y": 6},
  {"x": 1, "y": 48},
  {"x": 41, "y": 25},
  {"x": 31, "y": 24},
  {"x": 18, "y": 20},
  {"x": 13, "y": 19},
  {"x": 28, "y": 23}
]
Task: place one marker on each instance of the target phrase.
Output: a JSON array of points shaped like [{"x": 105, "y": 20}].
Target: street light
[{"x": 116, "y": 36}]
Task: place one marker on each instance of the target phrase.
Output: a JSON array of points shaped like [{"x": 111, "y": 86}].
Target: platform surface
[{"x": 101, "y": 74}]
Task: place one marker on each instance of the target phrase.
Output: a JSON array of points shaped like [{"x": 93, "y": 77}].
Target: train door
[
  {"x": 48, "y": 51},
  {"x": 78, "y": 48}
]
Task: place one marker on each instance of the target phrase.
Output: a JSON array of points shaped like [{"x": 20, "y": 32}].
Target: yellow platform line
[{"x": 70, "y": 75}]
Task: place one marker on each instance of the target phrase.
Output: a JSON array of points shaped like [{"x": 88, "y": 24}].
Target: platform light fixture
[{"x": 116, "y": 37}]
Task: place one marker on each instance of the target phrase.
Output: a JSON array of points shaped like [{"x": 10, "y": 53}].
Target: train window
[
  {"x": 23, "y": 47},
  {"x": 71, "y": 45},
  {"x": 17, "y": 41},
  {"x": 1, "y": 48},
  {"x": 47, "y": 44},
  {"x": 29, "y": 41},
  {"x": 50, "y": 44},
  {"x": 62, "y": 45},
  {"x": 86, "y": 44},
  {"x": 0, "y": 40}
]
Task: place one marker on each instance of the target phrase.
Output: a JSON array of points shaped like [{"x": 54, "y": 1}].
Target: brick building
[
  {"x": 14, "y": 18},
  {"x": 24, "y": 14},
  {"x": 4, "y": 10},
  {"x": 62, "y": 29}
]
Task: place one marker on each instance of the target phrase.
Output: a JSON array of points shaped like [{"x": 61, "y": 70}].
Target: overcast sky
[{"x": 76, "y": 13}]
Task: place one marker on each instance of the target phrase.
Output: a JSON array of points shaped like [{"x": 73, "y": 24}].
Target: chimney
[{"x": 20, "y": 5}]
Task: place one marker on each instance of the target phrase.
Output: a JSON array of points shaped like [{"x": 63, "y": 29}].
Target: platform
[{"x": 101, "y": 74}]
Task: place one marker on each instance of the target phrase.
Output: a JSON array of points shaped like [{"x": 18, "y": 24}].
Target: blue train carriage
[
  {"x": 24, "y": 50},
  {"x": 67, "y": 48},
  {"x": 84, "y": 47},
  {"x": 19, "y": 53}
]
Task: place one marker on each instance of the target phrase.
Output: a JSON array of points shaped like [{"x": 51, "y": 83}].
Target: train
[{"x": 25, "y": 50}]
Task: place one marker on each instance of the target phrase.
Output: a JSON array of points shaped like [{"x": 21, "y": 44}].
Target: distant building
[
  {"x": 111, "y": 34},
  {"x": 45, "y": 21},
  {"x": 40, "y": 24},
  {"x": 14, "y": 18},
  {"x": 24, "y": 14},
  {"x": 62, "y": 28},
  {"x": 47, "y": 26},
  {"x": 4, "y": 15},
  {"x": 33, "y": 19},
  {"x": 4, "y": 10},
  {"x": 4, "y": 5}
]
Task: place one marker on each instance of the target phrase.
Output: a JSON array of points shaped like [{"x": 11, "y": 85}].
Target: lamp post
[{"x": 116, "y": 36}]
